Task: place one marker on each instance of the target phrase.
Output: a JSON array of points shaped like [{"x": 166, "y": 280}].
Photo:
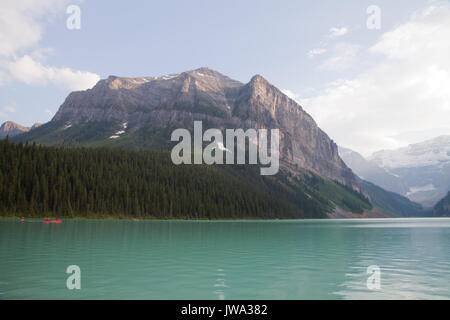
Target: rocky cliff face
[
  {"x": 204, "y": 94},
  {"x": 12, "y": 129},
  {"x": 303, "y": 144}
]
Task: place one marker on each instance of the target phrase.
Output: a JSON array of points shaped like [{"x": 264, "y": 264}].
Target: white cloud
[
  {"x": 49, "y": 112},
  {"x": 344, "y": 55},
  {"x": 408, "y": 90},
  {"x": 21, "y": 24},
  {"x": 340, "y": 48},
  {"x": 337, "y": 32},
  {"x": 316, "y": 52},
  {"x": 31, "y": 72},
  {"x": 290, "y": 94},
  {"x": 21, "y": 28}
]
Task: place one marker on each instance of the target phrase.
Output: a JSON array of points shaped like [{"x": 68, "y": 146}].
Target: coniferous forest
[
  {"x": 37, "y": 181},
  {"x": 76, "y": 182}
]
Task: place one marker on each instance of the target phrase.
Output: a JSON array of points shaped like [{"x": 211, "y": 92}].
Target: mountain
[
  {"x": 420, "y": 172},
  {"x": 423, "y": 167},
  {"x": 13, "y": 129},
  {"x": 142, "y": 113},
  {"x": 139, "y": 114},
  {"x": 428, "y": 153},
  {"x": 370, "y": 171},
  {"x": 372, "y": 177},
  {"x": 442, "y": 208}
]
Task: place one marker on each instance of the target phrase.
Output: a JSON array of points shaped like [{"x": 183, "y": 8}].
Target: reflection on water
[
  {"x": 324, "y": 259},
  {"x": 220, "y": 284}
]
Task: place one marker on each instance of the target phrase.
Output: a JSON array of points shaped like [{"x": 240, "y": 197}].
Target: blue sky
[{"x": 313, "y": 50}]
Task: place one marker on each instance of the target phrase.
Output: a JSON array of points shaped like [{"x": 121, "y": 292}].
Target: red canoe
[{"x": 51, "y": 221}]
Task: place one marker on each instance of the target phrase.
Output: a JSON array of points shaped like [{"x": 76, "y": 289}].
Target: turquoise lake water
[{"x": 326, "y": 259}]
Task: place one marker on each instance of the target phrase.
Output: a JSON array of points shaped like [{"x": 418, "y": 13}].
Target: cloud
[
  {"x": 337, "y": 32},
  {"x": 21, "y": 23},
  {"x": 406, "y": 91},
  {"x": 334, "y": 32},
  {"x": 21, "y": 29},
  {"x": 290, "y": 94},
  {"x": 31, "y": 72},
  {"x": 49, "y": 112},
  {"x": 316, "y": 52},
  {"x": 343, "y": 57}
]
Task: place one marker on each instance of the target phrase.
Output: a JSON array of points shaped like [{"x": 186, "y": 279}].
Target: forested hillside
[
  {"x": 83, "y": 182},
  {"x": 391, "y": 202},
  {"x": 442, "y": 208}
]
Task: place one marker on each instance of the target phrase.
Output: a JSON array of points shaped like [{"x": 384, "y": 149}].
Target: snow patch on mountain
[
  {"x": 120, "y": 132},
  {"x": 413, "y": 190}
]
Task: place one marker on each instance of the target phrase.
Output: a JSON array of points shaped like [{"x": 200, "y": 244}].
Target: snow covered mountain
[
  {"x": 420, "y": 171},
  {"x": 435, "y": 152},
  {"x": 372, "y": 172}
]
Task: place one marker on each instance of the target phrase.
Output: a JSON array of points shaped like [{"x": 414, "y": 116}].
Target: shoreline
[{"x": 131, "y": 219}]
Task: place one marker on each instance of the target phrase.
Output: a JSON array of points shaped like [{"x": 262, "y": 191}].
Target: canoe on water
[{"x": 52, "y": 221}]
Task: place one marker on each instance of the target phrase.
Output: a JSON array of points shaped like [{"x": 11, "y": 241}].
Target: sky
[{"x": 373, "y": 74}]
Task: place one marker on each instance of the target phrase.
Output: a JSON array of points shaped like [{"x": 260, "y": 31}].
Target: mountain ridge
[
  {"x": 11, "y": 129},
  {"x": 140, "y": 113},
  {"x": 156, "y": 104}
]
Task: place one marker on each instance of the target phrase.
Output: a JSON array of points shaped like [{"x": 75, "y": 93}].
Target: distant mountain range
[
  {"x": 12, "y": 129},
  {"x": 420, "y": 171},
  {"x": 141, "y": 113}
]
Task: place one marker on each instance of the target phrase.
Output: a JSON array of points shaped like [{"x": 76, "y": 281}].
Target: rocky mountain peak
[
  {"x": 205, "y": 71},
  {"x": 10, "y": 125},
  {"x": 116, "y": 83},
  {"x": 260, "y": 85},
  {"x": 11, "y": 129},
  {"x": 210, "y": 80},
  {"x": 258, "y": 80},
  {"x": 204, "y": 79},
  {"x": 204, "y": 94}
]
